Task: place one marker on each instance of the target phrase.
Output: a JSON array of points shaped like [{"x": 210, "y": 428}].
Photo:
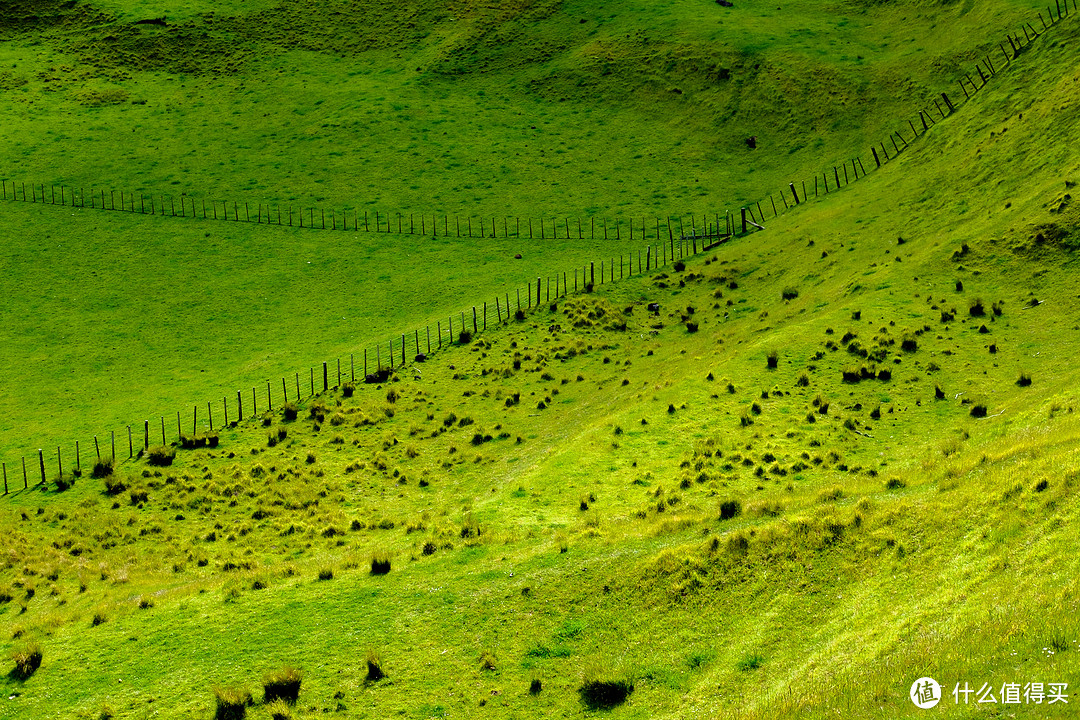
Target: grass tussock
[
  {"x": 602, "y": 691},
  {"x": 27, "y": 659},
  {"x": 282, "y": 685},
  {"x": 380, "y": 563},
  {"x": 102, "y": 469},
  {"x": 375, "y": 670},
  {"x": 231, "y": 703},
  {"x": 161, "y": 456}
]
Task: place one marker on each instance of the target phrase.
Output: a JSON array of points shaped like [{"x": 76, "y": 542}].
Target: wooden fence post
[
  {"x": 146, "y": 436},
  {"x": 41, "y": 461}
]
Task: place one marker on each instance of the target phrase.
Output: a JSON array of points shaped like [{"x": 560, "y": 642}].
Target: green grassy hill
[
  {"x": 598, "y": 510},
  {"x": 538, "y": 110}
]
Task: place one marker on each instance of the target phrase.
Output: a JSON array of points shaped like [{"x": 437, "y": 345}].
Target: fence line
[
  {"x": 657, "y": 254},
  {"x": 369, "y": 365}
]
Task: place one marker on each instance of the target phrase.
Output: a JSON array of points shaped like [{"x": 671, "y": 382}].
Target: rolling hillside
[{"x": 838, "y": 456}]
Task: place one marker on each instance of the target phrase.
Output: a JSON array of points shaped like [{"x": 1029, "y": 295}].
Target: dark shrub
[
  {"x": 98, "y": 619},
  {"x": 289, "y": 411},
  {"x": 375, "y": 670},
  {"x": 976, "y": 308},
  {"x": 348, "y": 389},
  {"x": 730, "y": 509},
  {"x": 1024, "y": 380},
  {"x": 959, "y": 286},
  {"x": 380, "y": 563},
  {"x": 789, "y": 293},
  {"x": 978, "y": 411},
  {"x": 326, "y": 574},
  {"x": 519, "y": 315},
  {"x": 102, "y": 468},
  {"x": 232, "y": 703},
  {"x": 947, "y": 316},
  {"x": 691, "y": 327},
  {"x": 161, "y": 456},
  {"x": 772, "y": 358},
  {"x": 679, "y": 266},
  {"x": 535, "y": 686},
  {"x": 27, "y": 660},
  {"x": 884, "y": 374},
  {"x": 599, "y": 694},
  {"x": 939, "y": 394},
  {"x": 895, "y": 484},
  {"x": 282, "y": 685},
  {"x": 909, "y": 344},
  {"x": 464, "y": 337}
]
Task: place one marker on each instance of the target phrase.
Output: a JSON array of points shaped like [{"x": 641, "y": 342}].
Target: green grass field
[
  {"x": 534, "y": 110},
  {"x": 595, "y": 510}
]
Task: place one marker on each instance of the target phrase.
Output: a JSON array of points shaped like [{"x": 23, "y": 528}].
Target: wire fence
[{"x": 671, "y": 240}]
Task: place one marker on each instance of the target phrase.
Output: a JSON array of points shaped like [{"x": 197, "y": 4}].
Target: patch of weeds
[{"x": 749, "y": 661}]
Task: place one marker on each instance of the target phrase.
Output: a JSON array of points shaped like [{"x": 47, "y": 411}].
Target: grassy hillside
[
  {"x": 535, "y": 109},
  {"x": 601, "y": 494}
]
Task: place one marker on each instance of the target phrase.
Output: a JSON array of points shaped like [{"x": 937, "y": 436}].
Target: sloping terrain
[
  {"x": 840, "y": 456},
  {"x": 599, "y": 113}
]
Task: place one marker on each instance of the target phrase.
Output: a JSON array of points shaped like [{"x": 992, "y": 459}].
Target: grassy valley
[{"x": 835, "y": 456}]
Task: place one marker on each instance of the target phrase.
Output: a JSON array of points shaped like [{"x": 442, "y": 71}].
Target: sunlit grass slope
[{"x": 602, "y": 493}]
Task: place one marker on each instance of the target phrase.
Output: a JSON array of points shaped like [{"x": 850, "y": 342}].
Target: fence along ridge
[
  {"x": 984, "y": 71},
  {"x": 537, "y": 228},
  {"x": 317, "y": 379},
  {"x": 372, "y": 221},
  {"x": 654, "y": 255}
]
